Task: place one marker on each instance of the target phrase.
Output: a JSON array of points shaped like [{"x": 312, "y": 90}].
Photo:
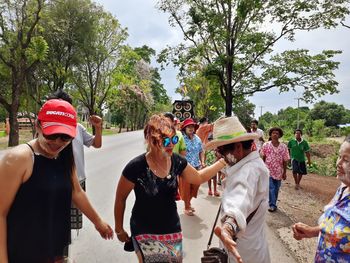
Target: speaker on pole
[{"x": 183, "y": 109}]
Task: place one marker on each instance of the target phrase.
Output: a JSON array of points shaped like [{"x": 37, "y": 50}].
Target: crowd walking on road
[{"x": 41, "y": 179}]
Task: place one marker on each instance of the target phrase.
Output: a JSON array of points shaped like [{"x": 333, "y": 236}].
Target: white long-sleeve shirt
[{"x": 246, "y": 188}]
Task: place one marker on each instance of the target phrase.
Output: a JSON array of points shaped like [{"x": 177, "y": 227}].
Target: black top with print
[{"x": 155, "y": 210}]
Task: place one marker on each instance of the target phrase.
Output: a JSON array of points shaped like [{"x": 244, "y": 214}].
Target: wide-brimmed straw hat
[{"x": 229, "y": 130}]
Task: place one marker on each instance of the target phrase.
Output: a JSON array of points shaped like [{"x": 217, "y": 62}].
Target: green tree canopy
[
  {"x": 333, "y": 114},
  {"x": 234, "y": 41}
]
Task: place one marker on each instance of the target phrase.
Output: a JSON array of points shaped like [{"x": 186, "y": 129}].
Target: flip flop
[{"x": 188, "y": 212}]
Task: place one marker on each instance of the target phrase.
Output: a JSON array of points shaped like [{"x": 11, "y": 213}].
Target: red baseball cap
[{"x": 58, "y": 116}]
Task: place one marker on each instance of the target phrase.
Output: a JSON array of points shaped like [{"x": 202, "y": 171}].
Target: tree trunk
[
  {"x": 14, "y": 129},
  {"x": 228, "y": 89}
]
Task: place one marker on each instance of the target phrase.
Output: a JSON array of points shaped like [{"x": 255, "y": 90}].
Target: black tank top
[{"x": 38, "y": 223}]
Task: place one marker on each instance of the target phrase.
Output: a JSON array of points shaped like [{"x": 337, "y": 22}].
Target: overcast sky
[{"x": 149, "y": 26}]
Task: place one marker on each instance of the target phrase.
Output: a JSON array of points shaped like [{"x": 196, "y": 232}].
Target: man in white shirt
[
  {"x": 254, "y": 129},
  {"x": 245, "y": 195}
]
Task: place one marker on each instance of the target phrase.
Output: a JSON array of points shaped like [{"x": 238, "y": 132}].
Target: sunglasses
[
  {"x": 53, "y": 137},
  {"x": 167, "y": 140}
]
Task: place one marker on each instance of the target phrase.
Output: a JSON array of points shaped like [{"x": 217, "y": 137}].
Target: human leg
[
  {"x": 272, "y": 197},
  {"x": 209, "y": 186},
  {"x": 302, "y": 171},
  {"x": 216, "y": 192},
  {"x": 295, "y": 169}
]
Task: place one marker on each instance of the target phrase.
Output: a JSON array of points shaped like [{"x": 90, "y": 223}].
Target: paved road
[{"x": 104, "y": 167}]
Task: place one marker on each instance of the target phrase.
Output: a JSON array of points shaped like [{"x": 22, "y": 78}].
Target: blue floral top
[
  {"x": 193, "y": 148},
  {"x": 334, "y": 238}
]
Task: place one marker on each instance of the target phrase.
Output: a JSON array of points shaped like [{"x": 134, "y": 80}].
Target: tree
[
  {"x": 244, "y": 110},
  {"x": 132, "y": 99},
  {"x": 93, "y": 78},
  {"x": 333, "y": 114},
  {"x": 159, "y": 94},
  {"x": 66, "y": 26},
  {"x": 21, "y": 48},
  {"x": 202, "y": 90},
  {"x": 233, "y": 39}
]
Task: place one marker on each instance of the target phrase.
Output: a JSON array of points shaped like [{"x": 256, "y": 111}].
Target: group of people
[{"x": 39, "y": 181}]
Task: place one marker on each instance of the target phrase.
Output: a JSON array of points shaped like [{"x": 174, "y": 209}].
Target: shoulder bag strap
[
  {"x": 216, "y": 219},
  {"x": 212, "y": 230}
]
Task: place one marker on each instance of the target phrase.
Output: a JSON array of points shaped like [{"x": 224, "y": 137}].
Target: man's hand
[
  {"x": 284, "y": 175},
  {"x": 226, "y": 239},
  {"x": 96, "y": 121},
  {"x": 301, "y": 231}
]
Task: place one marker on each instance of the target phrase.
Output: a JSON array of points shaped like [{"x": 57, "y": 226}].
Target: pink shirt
[{"x": 275, "y": 156}]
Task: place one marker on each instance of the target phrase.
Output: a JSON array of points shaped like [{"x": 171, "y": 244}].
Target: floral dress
[{"x": 334, "y": 238}]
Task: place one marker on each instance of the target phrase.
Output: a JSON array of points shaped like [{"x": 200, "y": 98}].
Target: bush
[{"x": 325, "y": 167}]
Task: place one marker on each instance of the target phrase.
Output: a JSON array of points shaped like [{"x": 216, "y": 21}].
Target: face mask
[{"x": 230, "y": 159}]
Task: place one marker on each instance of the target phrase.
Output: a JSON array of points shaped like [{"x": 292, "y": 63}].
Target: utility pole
[
  {"x": 261, "y": 107},
  {"x": 298, "y": 110}
]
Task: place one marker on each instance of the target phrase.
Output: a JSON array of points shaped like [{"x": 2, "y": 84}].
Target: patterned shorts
[{"x": 160, "y": 248}]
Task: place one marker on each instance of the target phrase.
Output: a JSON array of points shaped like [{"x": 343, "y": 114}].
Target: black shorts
[{"x": 299, "y": 167}]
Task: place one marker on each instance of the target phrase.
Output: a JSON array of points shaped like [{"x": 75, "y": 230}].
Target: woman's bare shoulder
[{"x": 18, "y": 156}]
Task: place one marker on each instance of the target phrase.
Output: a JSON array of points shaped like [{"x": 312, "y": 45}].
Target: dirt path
[{"x": 304, "y": 205}]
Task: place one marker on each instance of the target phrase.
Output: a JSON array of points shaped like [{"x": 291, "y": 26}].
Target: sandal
[
  {"x": 216, "y": 193},
  {"x": 188, "y": 212},
  {"x": 210, "y": 192},
  {"x": 192, "y": 208}
]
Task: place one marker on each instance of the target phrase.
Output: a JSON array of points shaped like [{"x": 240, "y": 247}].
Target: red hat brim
[{"x": 49, "y": 128}]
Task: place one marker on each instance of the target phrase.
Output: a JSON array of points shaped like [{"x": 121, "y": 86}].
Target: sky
[{"x": 148, "y": 26}]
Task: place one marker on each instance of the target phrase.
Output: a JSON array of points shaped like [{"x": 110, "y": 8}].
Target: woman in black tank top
[{"x": 37, "y": 185}]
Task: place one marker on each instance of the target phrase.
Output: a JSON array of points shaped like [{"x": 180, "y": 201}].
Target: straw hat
[{"x": 229, "y": 130}]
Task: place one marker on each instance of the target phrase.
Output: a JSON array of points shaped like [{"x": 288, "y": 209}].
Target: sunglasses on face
[
  {"x": 167, "y": 140},
  {"x": 53, "y": 137}
]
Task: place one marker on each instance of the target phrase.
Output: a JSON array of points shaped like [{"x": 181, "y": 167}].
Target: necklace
[{"x": 160, "y": 169}]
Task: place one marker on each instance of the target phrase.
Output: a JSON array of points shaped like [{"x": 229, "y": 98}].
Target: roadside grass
[{"x": 26, "y": 136}]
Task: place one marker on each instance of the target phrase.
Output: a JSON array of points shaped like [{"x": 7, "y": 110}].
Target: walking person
[
  {"x": 155, "y": 224},
  {"x": 244, "y": 198},
  {"x": 212, "y": 156},
  {"x": 82, "y": 138},
  {"x": 38, "y": 182},
  {"x": 334, "y": 224},
  {"x": 298, "y": 148},
  {"x": 276, "y": 156},
  {"x": 195, "y": 157},
  {"x": 259, "y": 141}
]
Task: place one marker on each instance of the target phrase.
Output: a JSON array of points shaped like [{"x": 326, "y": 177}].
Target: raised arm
[
  {"x": 96, "y": 121},
  {"x": 192, "y": 176}
]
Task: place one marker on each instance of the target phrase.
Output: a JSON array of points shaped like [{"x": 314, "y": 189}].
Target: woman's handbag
[{"x": 214, "y": 254}]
